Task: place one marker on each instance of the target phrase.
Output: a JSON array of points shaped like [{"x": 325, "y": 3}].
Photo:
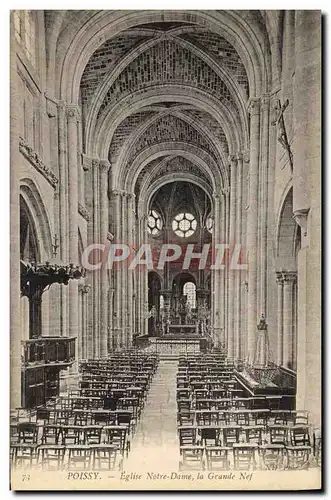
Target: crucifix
[{"x": 281, "y": 131}]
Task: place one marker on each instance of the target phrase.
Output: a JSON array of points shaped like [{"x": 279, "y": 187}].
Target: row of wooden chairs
[
  {"x": 244, "y": 457},
  {"x": 73, "y": 457},
  {"x": 233, "y": 434}
]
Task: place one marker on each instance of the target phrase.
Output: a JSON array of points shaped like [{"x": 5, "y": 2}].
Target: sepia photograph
[{"x": 165, "y": 250}]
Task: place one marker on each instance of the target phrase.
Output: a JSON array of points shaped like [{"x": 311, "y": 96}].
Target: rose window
[{"x": 184, "y": 225}]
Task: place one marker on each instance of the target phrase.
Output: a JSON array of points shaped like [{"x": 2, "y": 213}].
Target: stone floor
[{"x": 155, "y": 444}]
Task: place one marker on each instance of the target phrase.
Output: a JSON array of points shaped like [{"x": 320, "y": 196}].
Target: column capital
[
  {"x": 239, "y": 156},
  {"x": 232, "y": 158},
  {"x": 86, "y": 162},
  {"x": 61, "y": 106},
  {"x": 225, "y": 190},
  {"x": 301, "y": 218},
  {"x": 84, "y": 288},
  {"x": 104, "y": 165},
  {"x": 286, "y": 276},
  {"x": 253, "y": 106},
  {"x": 73, "y": 112}
]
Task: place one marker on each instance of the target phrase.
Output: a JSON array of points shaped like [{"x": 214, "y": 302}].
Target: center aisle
[{"x": 155, "y": 446}]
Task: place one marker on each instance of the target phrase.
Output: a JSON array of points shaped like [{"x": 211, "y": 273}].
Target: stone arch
[
  {"x": 201, "y": 129},
  {"x": 110, "y": 78},
  {"x": 286, "y": 235},
  {"x": 244, "y": 36},
  {"x": 33, "y": 200},
  {"x": 98, "y": 140},
  {"x": 194, "y": 154}
]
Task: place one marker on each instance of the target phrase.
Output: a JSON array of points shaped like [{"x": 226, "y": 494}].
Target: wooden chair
[
  {"x": 51, "y": 456},
  {"x": 217, "y": 458},
  {"x": 192, "y": 458},
  {"x": 300, "y": 417},
  {"x": 244, "y": 456},
  {"x": 185, "y": 418},
  {"x": 253, "y": 433},
  {"x": 298, "y": 457},
  {"x": 209, "y": 437},
  {"x": 117, "y": 436},
  {"x": 14, "y": 436},
  {"x": 50, "y": 434},
  {"x": 82, "y": 417},
  {"x": 299, "y": 435},
  {"x": 27, "y": 432},
  {"x": 24, "y": 455},
  {"x": 272, "y": 456},
  {"x": 231, "y": 435},
  {"x": 278, "y": 434},
  {"x": 79, "y": 457},
  {"x": 106, "y": 457},
  {"x": 70, "y": 435},
  {"x": 92, "y": 435},
  {"x": 280, "y": 417},
  {"x": 187, "y": 437}
]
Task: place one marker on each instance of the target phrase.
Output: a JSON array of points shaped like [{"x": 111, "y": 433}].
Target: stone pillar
[
  {"x": 280, "y": 333},
  {"x": 130, "y": 242},
  {"x": 15, "y": 284},
  {"x": 63, "y": 216},
  {"x": 306, "y": 150},
  {"x": 72, "y": 118},
  {"x": 238, "y": 278},
  {"x": 217, "y": 297},
  {"x": 104, "y": 223},
  {"x": 116, "y": 199},
  {"x": 288, "y": 317},
  {"x": 82, "y": 347},
  {"x": 252, "y": 225},
  {"x": 96, "y": 275},
  {"x": 124, "y": 265},
  {"x": 231, "y": 272},
  {"x": 264, "y": 161},
  {"x": 226, "y": 193}
]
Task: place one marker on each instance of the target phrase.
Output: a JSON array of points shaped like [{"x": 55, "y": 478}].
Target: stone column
[
  {"x": 252, "y": 225},
  {"x": 116, "y": 198},
  {"x": 130, "y": 217},
  {"x": 264, "y": 161},
  {"x": 84, "y": 289},
  {"x": 306, "y": 150},
  {"x": 124, "y": 265},
  {"x": 231, "y": 272},
  {"x": 104, "y": 223},
  {"x": 226, "y": 193},
  {"x": 280, "y": 332},
  {"x": 72, "y": 118},
  {"x": 238, "y": 313},
  {"x": 288, "y": 317},
  {"x": 96, "y": 275},
  {"x": 217, "y": 298},
  {"x": 63, "y": 216},
  {"x": 15, "y": 284}
]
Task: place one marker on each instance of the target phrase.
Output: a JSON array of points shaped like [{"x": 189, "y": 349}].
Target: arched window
[
  {"x": 189, "y": 290},
  {"x": 154, "y": 223}
]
